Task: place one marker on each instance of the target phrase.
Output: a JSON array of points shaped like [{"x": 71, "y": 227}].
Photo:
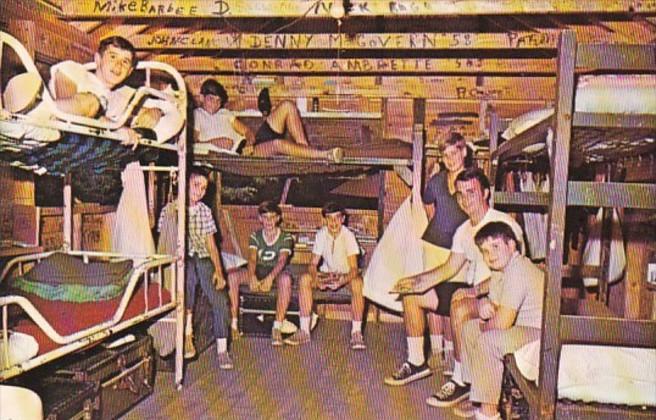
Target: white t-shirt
[
  {"x": 219, "y": 124},
  {"x": 463, "y": 243},
  {"x": 335, "y": 251}
]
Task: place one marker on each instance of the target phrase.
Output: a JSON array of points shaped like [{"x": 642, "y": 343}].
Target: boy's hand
[
  {"x": 413, "y": 284},
  {"x": 266, "y": 285},
  {"x": 336, "y": 283},
  {"x": 487, "y": 310},
  {"x": 129, "y": 137},
  {"x": 218, "y": 280},
  {"x": 463, "y": 293}
]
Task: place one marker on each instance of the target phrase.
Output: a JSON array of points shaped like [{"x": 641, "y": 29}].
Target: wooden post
[
  {"x": 418, "y": 121},
  {"x": 550, "y": 335}
]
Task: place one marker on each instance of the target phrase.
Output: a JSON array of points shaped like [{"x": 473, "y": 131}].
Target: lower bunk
[
  {"x": 56, "y": 303},
  {"x": 594, "y": 381}
]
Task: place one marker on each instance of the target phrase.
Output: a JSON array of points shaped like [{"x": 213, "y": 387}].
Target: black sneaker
[
  {"x": 408, "y": 373},
  {"x": 449, "y": 395}
]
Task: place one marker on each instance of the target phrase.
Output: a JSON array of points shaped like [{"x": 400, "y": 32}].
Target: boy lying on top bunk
[
  {"x": 218, "y": 126},
  {"x": 101, "y": 93}
]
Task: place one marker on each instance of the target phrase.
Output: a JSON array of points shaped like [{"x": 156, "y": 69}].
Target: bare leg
[
  {"x": 414, "y": 307},
  {"x": 357, "y": 299},
  {"x": 288, "y": 148},
  {"x": 284, "y": 295},
  {"x": 435, "y": 323},
  {"x": 285, "y": 117},
  {"x": 234, "y": 280},
  {"x": 462, "y": 310},
  {"x": 305, "y": 295}
]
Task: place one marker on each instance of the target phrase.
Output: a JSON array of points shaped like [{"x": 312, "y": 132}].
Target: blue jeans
[{"x": 200, "y": 271}]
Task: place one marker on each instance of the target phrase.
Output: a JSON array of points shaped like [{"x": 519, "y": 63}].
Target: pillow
[
  {"x": 525, "y": 121},
  {"x": 60, "y": 268}
]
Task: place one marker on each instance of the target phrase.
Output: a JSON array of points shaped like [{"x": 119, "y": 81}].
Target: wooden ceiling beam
[
  {"x": 212, "y": 40},
  {"x": 444, "y": 88},
  {"x": 74, "y": 9},
  {"x": 360, "y": 65}
]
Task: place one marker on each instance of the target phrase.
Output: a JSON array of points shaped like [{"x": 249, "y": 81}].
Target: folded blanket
[
  {"x": 64, "y": 277},
  {"x": 612, "y": 375}
]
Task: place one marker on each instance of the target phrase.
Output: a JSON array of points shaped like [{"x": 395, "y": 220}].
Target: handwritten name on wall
[
  {"x": 323, "y": 8},
  {"x": 212, "y": 40}
]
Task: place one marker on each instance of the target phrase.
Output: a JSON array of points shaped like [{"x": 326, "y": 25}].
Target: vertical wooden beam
[
  {"x": 418, "y": 121},
  {"x": 381, "y": 203},
  {"x": 550, "y": 335},
  {"x": 493, "y": 162},
  {"x": 151, "y": 196}
]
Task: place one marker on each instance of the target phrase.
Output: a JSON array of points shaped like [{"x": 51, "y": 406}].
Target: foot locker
[
  {"x": 125, "y": 374},
  {"x": 257, "y": 311}
]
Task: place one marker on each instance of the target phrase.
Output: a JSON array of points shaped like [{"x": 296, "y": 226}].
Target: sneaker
[
  {"x": 298, "y": 338},
  {"x": 357, "y": 341},
  {"x": 449, "y": 395},
  {"x": 276, "y": 337},
  {"x": 225, "y": 361},
  {"x": 408, "y": 373},
  {"x": 337, "y": 154},
  {"x": 189, "y": 348},
  {"x": 235, "y": 334},
  {"x": 465, "y": 410}
]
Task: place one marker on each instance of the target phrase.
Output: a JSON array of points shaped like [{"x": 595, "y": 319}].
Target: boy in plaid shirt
[{"x": 203, "y": 266}]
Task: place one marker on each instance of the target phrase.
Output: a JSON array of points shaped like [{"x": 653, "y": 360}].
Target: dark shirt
[{"x": 448, "y": 214}]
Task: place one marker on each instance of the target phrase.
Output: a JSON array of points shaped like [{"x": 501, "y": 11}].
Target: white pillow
[{"x": 526, "y": 121}]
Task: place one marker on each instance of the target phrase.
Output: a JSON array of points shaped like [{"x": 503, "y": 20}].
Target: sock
[
  {"x": 234, "y": 324},
  {"x": 436, "y": 341},
  {"x": 457, "y": 374},
  {"x": 448, "y": 345},
  {"x": 305, "y": 324},
  {"x": 356, "y": 326},
  {"x": 221, "y": 345},
  {"x": 277, "y": 325},
  {"x": 416, "y": 350},
  {"x": 188, "y": 325}
]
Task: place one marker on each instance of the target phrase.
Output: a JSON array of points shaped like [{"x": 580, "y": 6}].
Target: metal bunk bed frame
[
  {"x": 578, "y": 321},
  {"x": 96, "y": 128}
]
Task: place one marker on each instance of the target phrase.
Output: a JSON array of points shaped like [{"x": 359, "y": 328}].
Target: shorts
[
  {"x": 265, "y": 133},
  {"x": 444, "y": 293}
]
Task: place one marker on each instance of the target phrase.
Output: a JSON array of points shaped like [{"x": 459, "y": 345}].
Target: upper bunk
[
  {"x": 35, "y": 135},
  {"x": 359, "y": 134},
  {"x": 612, "y": 116}
]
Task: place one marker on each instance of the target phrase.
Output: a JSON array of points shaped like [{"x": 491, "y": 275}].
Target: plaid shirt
[{"x": 201, "y": 224}]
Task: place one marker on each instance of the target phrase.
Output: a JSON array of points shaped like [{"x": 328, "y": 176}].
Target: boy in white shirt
[{"x": 337, "y": 249}]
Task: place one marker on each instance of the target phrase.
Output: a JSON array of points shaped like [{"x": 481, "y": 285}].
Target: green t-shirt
[{"x": 267, "y": 254}]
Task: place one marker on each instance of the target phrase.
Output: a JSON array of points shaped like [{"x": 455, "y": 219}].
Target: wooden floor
[{"x": 321, "y": 380}]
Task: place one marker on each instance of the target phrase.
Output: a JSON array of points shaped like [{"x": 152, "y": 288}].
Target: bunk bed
[
  {"x": 359, "y": 134},
  {"x": 35, "y": 308},
  {"x": 581, "y": 136}
]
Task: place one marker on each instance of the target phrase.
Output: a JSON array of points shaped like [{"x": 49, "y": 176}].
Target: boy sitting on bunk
[
  {"x": 203, "y": 267},
  {"x": 428, "y": 291},
  {"x": 103, "y": 92},
  {"x": 506, "y": 320},
  {"x": 336, "y": 247},
  {"x": 269, "y": 250},
  {"x": 216, "y": 124}
]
